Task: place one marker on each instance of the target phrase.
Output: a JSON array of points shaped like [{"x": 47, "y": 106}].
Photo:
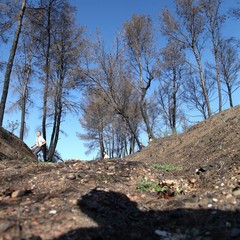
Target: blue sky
[{"x": 108, "y": 17}]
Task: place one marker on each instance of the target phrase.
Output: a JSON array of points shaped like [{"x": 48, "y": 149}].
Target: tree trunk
[
  {"x": 219, "y": 85},
  {"x": 218, "y": 73},
  {"x": 23, "y": 102},
  {"x": 47, "y": 67},
  {"x": 132, "y": 145},
  {"x": 203, "y": 83},
  {"x": 229, "y": 94},
  {"x": 135, "y": 137},
  {"x": 101, "y": 144},
  {"x": 57, "y": 114},
  {"x": 55, "y": 135},
  {"x": 174, "y": 107},
  {"x": 143, "y": 108},
  {"x": 143, "y": 105},
  {"x": 10, "y": 62},
  {"x": 57, "y": 122},
  {"x": 51, "y": 144}
]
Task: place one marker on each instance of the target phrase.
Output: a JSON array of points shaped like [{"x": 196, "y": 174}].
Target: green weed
[{"x": 148, "y": 186}]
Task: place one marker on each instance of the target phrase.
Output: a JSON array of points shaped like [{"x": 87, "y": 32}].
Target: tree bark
[
  {"x": 47, "y": 67},
  {"x": 229, "y": 94},
  {"x": 23, "y": 102},
  {"x": 174, "y": 107},
  {"x": 56, "y": 125},
  {"x": 143, "y": 105},
  {"x": 101, "y": 144},
  {"x": 10, "y": 62},
  {"x": 203, "y": 83}
]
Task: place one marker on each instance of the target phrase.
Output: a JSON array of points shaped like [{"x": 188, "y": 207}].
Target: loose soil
[{"x": 184, "y": 186}]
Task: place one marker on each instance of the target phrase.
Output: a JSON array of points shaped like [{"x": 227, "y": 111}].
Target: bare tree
[
  {"x": 47, "y": 27},
  {"x": 95, "y": 118},
  {"x": 173, "y": 68},
  {"x": 139, "y": 35},
  {"x": 188, "y": 29},
  {"x": 214, "y": 20},
  {"x": 118, "y": 138},
  {"x": 234, "y": 13},
  {"x": 24, "y": 69},
  {"x": 230, "y": 67},
  {"x": 193, "y": 92},
  {"x": 41, "y": 17},
  {"x": 106, "y": 129},
  {"x": 10, "y": 62},
  {"x": 113, "y": 76},
  {"x": 22, "y": 91},
  {"x": 8, "y": 14},
  {"x": 66, "y": 49}
]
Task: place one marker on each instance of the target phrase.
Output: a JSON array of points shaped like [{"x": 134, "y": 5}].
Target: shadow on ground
[{"x": 119, "y": 218}]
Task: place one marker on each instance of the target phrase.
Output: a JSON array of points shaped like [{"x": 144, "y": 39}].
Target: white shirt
[{"x": 40, "y": 141}]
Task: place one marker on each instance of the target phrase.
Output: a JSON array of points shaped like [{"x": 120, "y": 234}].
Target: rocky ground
[{"x": 181, "y": 187}]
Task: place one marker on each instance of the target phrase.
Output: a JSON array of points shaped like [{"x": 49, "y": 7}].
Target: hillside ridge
[{"x": 215, "y": 138}]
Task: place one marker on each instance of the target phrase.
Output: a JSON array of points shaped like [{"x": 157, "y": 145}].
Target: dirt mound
[
  {"x": 11, "y": 147},
  {"x": 181, "y": 187},
  {"x": 216, "y": 139}
]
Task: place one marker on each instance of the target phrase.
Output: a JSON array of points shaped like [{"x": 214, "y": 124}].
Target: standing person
[
  {"x": 105, "y": 155},
  {"x": 37, "y": 147}
]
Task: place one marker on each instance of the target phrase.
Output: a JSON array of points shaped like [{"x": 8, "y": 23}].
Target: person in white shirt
[
  {"x": 37, "y": 147},
  {"x": 105, "y": 155}
]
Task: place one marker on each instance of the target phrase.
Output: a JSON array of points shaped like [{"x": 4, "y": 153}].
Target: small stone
[
  {"x": 52, "y": 212},
  {"x": 163, "y": 234},
  {"x": 236, "y": 192},
  {"x": 192, "y": 180},
  {"x": 228, "y": 224},
  {"x": 71, "y": 176},
  {"x": 18, "y": 193},
  {"x": 73, "y": 201},
  {"x": 81, "y": 174},
  {"x": 229, "y": 196},
  {"x": 4, "y": 226},
  {"x": 111, "y": 168}
]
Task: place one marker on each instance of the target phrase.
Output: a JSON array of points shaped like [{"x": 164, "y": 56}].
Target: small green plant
[
  {"x": 147, "y": 185},
  {"x": 3, "y": 158},
  {"x": 163, "y": 189},
  {"x": 166, "y": 167}
]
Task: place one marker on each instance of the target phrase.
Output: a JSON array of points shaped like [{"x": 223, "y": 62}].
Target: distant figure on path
[
  {"x": 105, "y": 155},
  {"x": 37, "y": 147}
]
